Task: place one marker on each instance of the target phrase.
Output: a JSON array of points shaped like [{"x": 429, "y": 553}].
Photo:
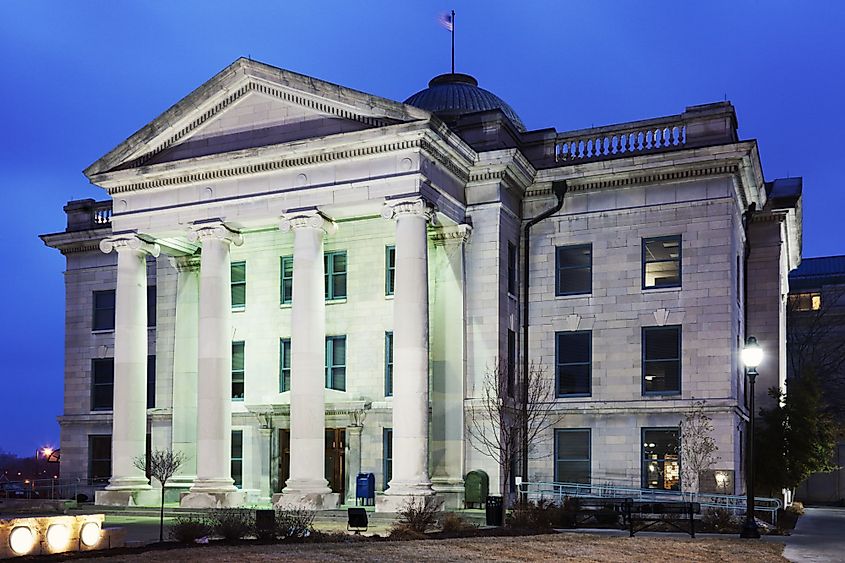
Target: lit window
[
  {"x": 335, "y": 264},
  {"x": 661, "y": 460},
  {"x": 284, "y": 365},
  {"x": 238, "y": 371},
  {"x": 336, "y": 363},
  {"x": 661, "y": 360},
  {"x": 238, "y": 285},
  {"x": 388, "y": 364},
  {"x": 102, "y": 384},
  {"x": 803, "y": 302},
  {"x": 573, "y": 360},
  {"x": 286, "y": 280},
  {"x": 103, "y": 310},
  {"x": 572, "y": 456},
  {"x": 389, "y": 269},
  {"x": 662, "y": 262},
  {"x": 574, "y": 269},
  {"x": 237, "y": 466}
]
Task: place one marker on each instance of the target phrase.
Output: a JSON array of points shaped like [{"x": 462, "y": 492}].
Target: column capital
[
  {"x": 453, "y": 234},
  {"x": 189, "y": 263},
  {"x": 307, "y": 219},
  {"x": 129, "y": 241},
  {"x": 200, "y": 232},
  {"x": 393, "y": 209}
]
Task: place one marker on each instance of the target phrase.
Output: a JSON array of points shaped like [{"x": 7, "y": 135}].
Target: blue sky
[{"x": 78, "y": 77}]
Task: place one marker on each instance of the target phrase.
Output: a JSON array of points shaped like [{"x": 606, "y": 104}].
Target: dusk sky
[{"x": 81, "y": 76}]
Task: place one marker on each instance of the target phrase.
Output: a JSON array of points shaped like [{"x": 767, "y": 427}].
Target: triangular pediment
[{"x": 251, "y": 104}]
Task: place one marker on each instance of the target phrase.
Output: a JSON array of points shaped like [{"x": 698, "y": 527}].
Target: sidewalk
[{"x": 818, "y": 537}]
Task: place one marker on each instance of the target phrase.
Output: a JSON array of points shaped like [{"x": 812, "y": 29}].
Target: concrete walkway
[{"x": 819, "y": 536}]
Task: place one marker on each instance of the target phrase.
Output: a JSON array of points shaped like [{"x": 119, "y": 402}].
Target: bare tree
[
  {"x": 496, "y": 421},
  {"x": 698, "y": 448},
  {"x": 163, "y": 464}
]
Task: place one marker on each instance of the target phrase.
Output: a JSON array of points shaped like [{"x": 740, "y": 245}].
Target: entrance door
[
  {"x": 335, "y": 460},
  {"x": 284, "y": 459}
]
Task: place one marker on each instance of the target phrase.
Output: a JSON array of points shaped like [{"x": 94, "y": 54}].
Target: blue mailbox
[{"x": 365, "y": 489}]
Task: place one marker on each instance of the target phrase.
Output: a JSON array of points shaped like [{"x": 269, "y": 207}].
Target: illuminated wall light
[
  {"x": 58, "y": 537},
  {"x": 90, "y": 534},
  {"x": 21, "y": 540}
]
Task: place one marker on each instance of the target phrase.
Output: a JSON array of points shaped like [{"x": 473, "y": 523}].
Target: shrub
[
  {"x": 294, "y": 523},
  {"x": 567, "y": 514},
  {"x": 452, "y": 522},
  {"x": 529, "y": 515},
  {"x": 403, "y": 532},
  {"x": 189, "y": 528},
  {"x": 721, "y": 520},
  {"x": 796, "y": 508},
  {"x": 420, "y": 516},
  {"x": 233, "y": 524}
]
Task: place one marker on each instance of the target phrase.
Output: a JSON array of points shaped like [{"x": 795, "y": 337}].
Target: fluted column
[
  {"x": 184, "y": 425},
  {"x": 129, "y": 426},
  {"x": 308, "y": 342},
  {"x": 214, "y": 385},
  {"x": 410, "y": 348}
]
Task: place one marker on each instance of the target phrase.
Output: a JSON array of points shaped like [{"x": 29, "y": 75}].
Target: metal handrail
[{"x": 733, "y": 503}]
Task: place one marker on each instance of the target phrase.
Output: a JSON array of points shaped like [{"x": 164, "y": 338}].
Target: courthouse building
[{"x": 291, "y": 281}]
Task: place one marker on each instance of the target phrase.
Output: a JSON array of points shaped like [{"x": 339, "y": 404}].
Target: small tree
[
  {"x": 496, "y": 422},
  {"x": 163, "y": 464},
  {"x": 698, "y": 448},
  {"x": 795, "y": 439}
]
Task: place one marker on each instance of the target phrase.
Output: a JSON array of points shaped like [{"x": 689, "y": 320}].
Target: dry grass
[{"x": 572, "y": 547}]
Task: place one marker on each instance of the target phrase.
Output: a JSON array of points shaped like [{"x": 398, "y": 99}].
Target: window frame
[
  {"x": 389, "y": 269},
  {"x": 283, "y": 300},
  {"x": 559, "y": 269},
  {"x": 644, "y": 460},
  {"x": 511, "y": 363},
  {"x": 330, "y": 275},
  {"x": 387, "y": 456},
  {"x": 95, "y": 385},
  {"x": 237, "y": 460},
  {"x": 589, "y": 459},
  {"x": 91, "y": 460},
  {"x": 388, "y": 363},
  {"x": 151, "y": 381},
  {"x": 582, "y": 333},
  {"x": 644, "y": 361},
  {"x": 241, "y": 372},
  {"x": 330, "y": 359},
  {"x": 151, "y": 306},
  {"x": 284, "y": 354},
  {"x": 512, "y": 269},
  {"x": 809, "y": 299},
  {"x": 679, "y": 260},
  {"x": 94, "y": 309},
  {"x": 233, "y": 283}
]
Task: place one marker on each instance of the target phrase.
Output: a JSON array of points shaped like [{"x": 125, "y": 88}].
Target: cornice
[{"x": 454, "y": 234}]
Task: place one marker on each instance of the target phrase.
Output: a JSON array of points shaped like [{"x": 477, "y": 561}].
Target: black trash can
[{"x": 494, "y": 510}]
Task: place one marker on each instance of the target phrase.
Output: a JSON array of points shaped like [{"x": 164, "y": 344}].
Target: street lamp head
[{"x": 752, "y": 353}]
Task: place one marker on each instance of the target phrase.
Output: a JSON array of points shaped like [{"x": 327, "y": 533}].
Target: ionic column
[
  {"x": 214, "y": 375},
  {"x": 308, "y": 343},
  {"x": 184, "y": 425},
  {"x": 410, "y": 349},
  {"x": 129, "y": 426}
]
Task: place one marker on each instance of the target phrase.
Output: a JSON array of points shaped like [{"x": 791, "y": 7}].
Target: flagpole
[{"x": 453, "y": 41}]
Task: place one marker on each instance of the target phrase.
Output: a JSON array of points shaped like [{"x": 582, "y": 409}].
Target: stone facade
[{"x": 258, "y": 154}]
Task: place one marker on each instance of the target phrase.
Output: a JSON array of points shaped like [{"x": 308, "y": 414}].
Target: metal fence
[{"x": 80, "y": 489}]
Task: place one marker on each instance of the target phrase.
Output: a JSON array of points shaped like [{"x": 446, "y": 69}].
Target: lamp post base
[{"x": 750, "y": 530}]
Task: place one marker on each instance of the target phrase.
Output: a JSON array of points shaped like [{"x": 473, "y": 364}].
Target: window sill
[
  {"x": 237, "y": 400},
  {"x": 662, "y": 289},
  {"x": 661, "y": 394},
  {"x": 389, "y": 296},
  {"x": 103, "y": 331},
  {"x": 238, "y": 309},
  {"x": 335, "y": 301},
  {"x": 574, "y": 396},
  {"x": 285, "y": 305},
  {"x": 572, "y": 295}
]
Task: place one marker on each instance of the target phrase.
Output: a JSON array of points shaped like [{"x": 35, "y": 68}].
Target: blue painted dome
[{"x": 452, "y": 95}]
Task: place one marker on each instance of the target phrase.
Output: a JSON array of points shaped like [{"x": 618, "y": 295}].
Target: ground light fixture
[
  {"x": 21, "y": 540},
  {"x": 58, "y": 537},
  {"x": 90, "y": 534},
  {"x": 752, "y": 355}
]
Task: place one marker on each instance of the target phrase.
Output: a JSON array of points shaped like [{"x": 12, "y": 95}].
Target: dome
[{"x": 453, "y": 95}]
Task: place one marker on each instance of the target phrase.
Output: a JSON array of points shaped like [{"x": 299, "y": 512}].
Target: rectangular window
[
  {"x": 574, "y": 269},
  {"x": 284, "y": 365},
  {"x": 389, "y": 269},
  {"x": 99, "y": 457},
  {"x": 238, "y": 285},
  {"x": 151, "y": 382},
  {"x": 661, "y": 360},
  {"x": 387, "y": 446},
  {"x": 572, "y": 456},
  {"x": 807, "y": 301},
  {"x": 335, "y": 264},
  {"x": 662, "y": 262},
  {"x": 151, "y": 306},
  {"x": 511, "y": 365},
  {"x": 661, "y": 460},
  {"x": 388, "y": 364},
  {"x": 238, "y": 371},
  {"x": 238, "y": 458},
  {"x": 573, "y": 362},
  {"x": 286, "y": 280},
  {"x": 336, "y": 363},
  {"x": 102, "y": 384},
  {"x": 511, "y": 268},
  {"x": 103, "y": 310}
]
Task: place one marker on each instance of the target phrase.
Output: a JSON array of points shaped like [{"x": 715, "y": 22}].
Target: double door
[{"x": 335, "y": 470}]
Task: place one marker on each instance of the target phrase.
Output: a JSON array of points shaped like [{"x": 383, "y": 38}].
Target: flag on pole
[{"x": 446, "y": 20}]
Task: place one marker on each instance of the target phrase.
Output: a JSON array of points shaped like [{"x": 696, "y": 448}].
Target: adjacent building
[{"x": 291, "y": 282}]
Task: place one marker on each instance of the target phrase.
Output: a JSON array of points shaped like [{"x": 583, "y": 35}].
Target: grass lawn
[{"x": 569, "y": 546}]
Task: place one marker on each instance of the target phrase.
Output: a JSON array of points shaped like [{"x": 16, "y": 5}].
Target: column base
[
  {"x": 450, "y": 490},
  {"x": 394, "y": 503},
  {"x": 133, "y": 483},
  {"x": 176, "y": 487},
  {"x": 310, "y": 501},
  {"x": 214, "y": 486},
  {"x": 231, "y": 499},
  {"x": 147, "y": 497}
]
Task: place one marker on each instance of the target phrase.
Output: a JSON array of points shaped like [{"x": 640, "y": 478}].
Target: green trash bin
[{"x": 476, "y": 488}]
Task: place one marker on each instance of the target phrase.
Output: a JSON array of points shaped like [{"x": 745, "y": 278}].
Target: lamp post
[{"x": 752, "y": 355}]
